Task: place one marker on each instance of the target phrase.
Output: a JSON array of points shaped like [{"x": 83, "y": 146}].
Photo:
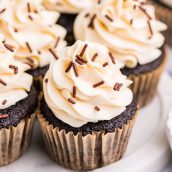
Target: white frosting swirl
[
  {"x": 167, "y": 2},
  {"x": 14, "y": 85},
  {"x": 69, "y": 6},
  {"x": 27, "y": 21},
  {"x": 129, "y": 28},
  {"x": 59, "y": 87}
]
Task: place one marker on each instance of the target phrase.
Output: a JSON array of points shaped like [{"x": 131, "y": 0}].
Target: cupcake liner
[
  {"x": 88, "y": 152},
  {"x": 15, "y": 140},
  {"x": 165, "y": 15},
  {"x": 144, "y": 86}
]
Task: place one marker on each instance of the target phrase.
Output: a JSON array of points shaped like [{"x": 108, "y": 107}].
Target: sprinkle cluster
[{"x": 139, "y": 6}]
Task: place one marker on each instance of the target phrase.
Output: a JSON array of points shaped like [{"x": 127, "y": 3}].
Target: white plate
[{"x": 148, "y": 149}]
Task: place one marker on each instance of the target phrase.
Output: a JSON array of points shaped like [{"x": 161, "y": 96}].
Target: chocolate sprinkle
[
  {"x": 112, "y": 58},
  {"x": 30, "y": 64},
  {"x": 15, "y": 30},
  {"x": 91, "y": 24},
  {"x": 131, "y": 21},
  {"x": 144, "y": 11},
  {"x": 9, "y": 47},
  {"x": 83, "y": 50},
  {"x": 150, "y": 29},
  {"x": 71, "y": 101},
  {"x": 53, "y": 53},
  {"x": 81, "y": 59},
  {"x": 69, "y": 67},
  {"x": 30, "y": 17},
  {"x": 99, "y": 1},
  {"x": 3, "y": 10},
  {"x": 109, "y": 18},
  {"x": 94, "y": 57},
  {"x": 79, "y": 62},
  {"x": 28, "y": 7},
  {"x": 46, "y": 80},
  {"x": 58, "y": 39},
  {"x": 74, "y": 91},
  {"x": 117, "y": 86},
  {"x": 98, "y": 84},
  {"x": 30, "y": 59},
  {"x": 3, "y": 116},
  {"x": 75, "y": 69},
  {"x": 4, "y": 102},
  {"x": 87, "y": 15},
  {"x": 97, "y": 108},
  {"x": 3, "y": 82},
  {"x": 105, "y": 64},
  {"x": 15, "y": 68},
  {"x": 29, "y": 47}
]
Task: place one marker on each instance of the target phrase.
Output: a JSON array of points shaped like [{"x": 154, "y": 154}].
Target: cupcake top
[
  {"x": 128, "y": 28},
  {"x": 69, "y": 6},
  {"x": 31, "y": 30},
  {"x": 14, "y": 81},
  {"x": 85, "y": 85},
  {"x": 167, "y": 2}
]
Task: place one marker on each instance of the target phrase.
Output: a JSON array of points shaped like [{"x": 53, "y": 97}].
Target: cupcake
[
  {"x": 69, "y": 10},
  {"x": 164, "y": 13},
  {"x": 18, "y": 101},
  {"x": 88, "y": 110},
  {"x": 131, "y": 32},
  {"x": 32, "y": 30}
]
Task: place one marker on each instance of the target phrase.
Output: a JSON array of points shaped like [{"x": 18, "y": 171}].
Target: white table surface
[{"x": 169, "y": 69}]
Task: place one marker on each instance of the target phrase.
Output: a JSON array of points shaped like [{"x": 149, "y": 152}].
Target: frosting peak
[
  {"x": 127, "y": 27},
  {"x": 14, "y": 82},
  {"x": 31, "y": 29},
  {"x": 85, "y": 85}
]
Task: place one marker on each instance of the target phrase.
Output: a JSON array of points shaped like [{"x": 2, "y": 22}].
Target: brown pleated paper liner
[
  {"x": 144, "y": 86},
  {"x": 15, "y": 140},
  {"x": 165, "y": 15},
  {"x": 88, "y": 152}
]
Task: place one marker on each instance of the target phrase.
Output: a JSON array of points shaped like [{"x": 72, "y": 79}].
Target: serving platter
[{"x": 148, "y": 149}]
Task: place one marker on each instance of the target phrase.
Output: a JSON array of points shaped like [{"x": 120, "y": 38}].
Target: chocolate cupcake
[
  {"x": 88, "y": 110},
  {"x": 32, "y": 30},
  {"x": 164, "y": 13},
  {"x": 69, "y": 10},
  {"x": 18, "y": 101},
  {"x": 131, "y": 32}
]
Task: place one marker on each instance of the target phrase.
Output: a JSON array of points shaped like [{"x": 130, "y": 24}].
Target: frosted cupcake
[
  {"x": 164, "y": 13},
  {"x": 32, "y": 30},
  {"x": 18, "y": 101},
  {"x": 69, "y": 10},
  {"x": 131, "y": 32},
  {"x": 87, "y": 107}
]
